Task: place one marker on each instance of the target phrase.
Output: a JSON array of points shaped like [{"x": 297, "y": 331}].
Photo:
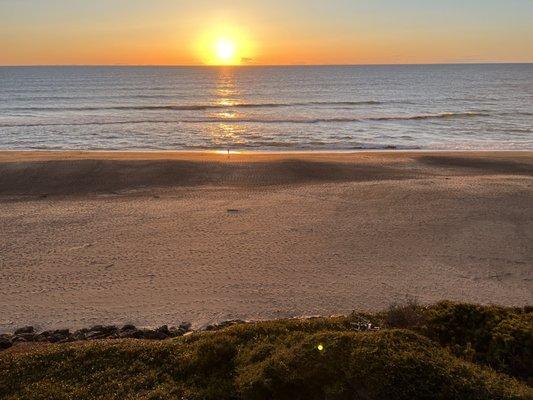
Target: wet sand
[{"x": 152, "y": 238}]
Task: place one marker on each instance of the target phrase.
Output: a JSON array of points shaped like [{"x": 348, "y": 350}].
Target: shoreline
[{"x": 224, "y": 151}]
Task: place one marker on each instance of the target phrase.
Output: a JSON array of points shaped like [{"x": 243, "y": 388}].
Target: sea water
[{"x": 268, "y": 108}]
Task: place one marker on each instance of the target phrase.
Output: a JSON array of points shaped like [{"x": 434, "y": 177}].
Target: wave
[
  {"x": 260, "y": 120},
  {"x": 85, "y": 123},
  {"x": 443, "y": 115},
  {"x": 199, "y": 107}
]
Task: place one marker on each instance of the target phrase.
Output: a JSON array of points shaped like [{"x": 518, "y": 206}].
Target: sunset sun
[
  {"x": 225, "y": 45},
  {"x": 225, "y": 51}
]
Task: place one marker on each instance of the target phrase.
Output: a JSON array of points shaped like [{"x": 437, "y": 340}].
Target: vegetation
[
  {"x": 495, "y": 336},
  {"x": 500, "y": 337},
  {"x": 330, "y": 358}
]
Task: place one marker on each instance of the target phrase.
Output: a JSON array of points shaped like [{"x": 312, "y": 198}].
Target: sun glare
[
  {"x": 225, "y": 50},
  {"x": 225, "y": 46}
]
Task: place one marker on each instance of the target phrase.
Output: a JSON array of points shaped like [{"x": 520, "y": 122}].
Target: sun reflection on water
[{"x": 226, "y": 134}]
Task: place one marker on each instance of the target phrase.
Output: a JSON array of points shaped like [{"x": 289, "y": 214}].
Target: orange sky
[{"x": 162, "y": 32}]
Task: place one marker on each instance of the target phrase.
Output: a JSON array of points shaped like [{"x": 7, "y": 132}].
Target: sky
[{"x": 269, "y": 32}]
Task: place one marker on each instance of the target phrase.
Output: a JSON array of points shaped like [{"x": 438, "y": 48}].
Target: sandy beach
[{"x": 152, "y": 238}]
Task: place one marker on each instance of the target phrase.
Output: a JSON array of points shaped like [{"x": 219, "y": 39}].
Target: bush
[
  {"x": 270, "y": 360},
  {"x": 511, "y": 346},
  {"x": 385, "y": 365},
  {"x": 496, "y": 336},
  {"x": 404, "y": 315}
]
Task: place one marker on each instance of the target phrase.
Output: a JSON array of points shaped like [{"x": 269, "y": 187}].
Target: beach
[{"x": 152, "y": 238}]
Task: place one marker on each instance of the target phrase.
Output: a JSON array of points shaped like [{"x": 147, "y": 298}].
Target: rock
[
  {"x": 54, "y": 338},
  {"x": 44, "y": 336},
  {"x": 94, "y": 335},
  {"x": 153, "y": 335},
  {"x": 109, "y": 330},
  {"x": 101, "y": 332},
  {"x": 128, "y": 327},
  {"x": 80, "y": 334},
  {"x": 25, "y": 329},
  {"x": 131, "y": 334},
  {"x": 185, "y": 326},
  {"x": 24, "y": 337},
  {"x": 96, "y": 328},
  {"x": 18, "y": 339},
  {"x": 27, "y": 334},
  {"x": 175, "y": 331},
  {"x": 60, "y": 336},
  {"x": 5, "y": 343},
  {"x": 30, "y": 337},
  {"x": 163, "y": 329}
]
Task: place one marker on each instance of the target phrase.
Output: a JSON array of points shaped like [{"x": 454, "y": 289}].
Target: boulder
[
  {"x": 60, "y": 336},
  {"x": 94, "y": 335},
  {"x": 80, "y": 334},
  {"x": 101, "y": 332},
  {"x": 128, "y": 327},
  {"x": 163, "y": 329},
  {"x": 44, "y": 336},
  {"x": 28, "y": 337},
  {"x": 25, "y": 329},
  {"x": 153, "y": 335},
  {"x": 175, "y": 331},
  {"x": 131, "y": 334}
]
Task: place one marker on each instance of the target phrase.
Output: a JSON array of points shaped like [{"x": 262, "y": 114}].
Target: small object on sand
[{"x": 232, "y": 211}]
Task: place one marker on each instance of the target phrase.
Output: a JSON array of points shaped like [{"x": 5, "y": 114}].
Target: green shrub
[
  {"x": 404, "y": 315},
  {"x": 497, "y": 336},
  {"x": 511, "y": 346},
  {"x": 385, "y": 365},
  {"x": 271, "y": 360}
]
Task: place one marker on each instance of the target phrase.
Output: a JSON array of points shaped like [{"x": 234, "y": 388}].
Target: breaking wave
[
  {"x": 198, "y": 107},
  {"x": 261, "y": 120}
]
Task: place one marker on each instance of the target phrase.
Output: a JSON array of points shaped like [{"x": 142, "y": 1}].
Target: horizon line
[{"x": 270, "y": 65}]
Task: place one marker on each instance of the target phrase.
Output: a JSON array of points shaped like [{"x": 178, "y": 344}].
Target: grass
[{"x": 314, "y": 359}]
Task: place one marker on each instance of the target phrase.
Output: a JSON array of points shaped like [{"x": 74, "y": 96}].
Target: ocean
[{"x": 465, "y": 107}]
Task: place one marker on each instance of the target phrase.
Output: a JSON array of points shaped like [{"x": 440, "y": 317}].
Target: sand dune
[{"x": 154, "y": 238}]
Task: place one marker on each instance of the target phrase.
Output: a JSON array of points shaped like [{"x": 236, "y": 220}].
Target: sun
[
  {"x": 227, "y": 45},
  {"x": 225, "y": 51}
]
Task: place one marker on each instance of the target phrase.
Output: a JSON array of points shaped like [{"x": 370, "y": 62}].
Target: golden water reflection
[{"x": 226, "y": 134}]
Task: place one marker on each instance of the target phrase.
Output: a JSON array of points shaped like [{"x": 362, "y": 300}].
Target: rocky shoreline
[{"x": 29, "y": 334}]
